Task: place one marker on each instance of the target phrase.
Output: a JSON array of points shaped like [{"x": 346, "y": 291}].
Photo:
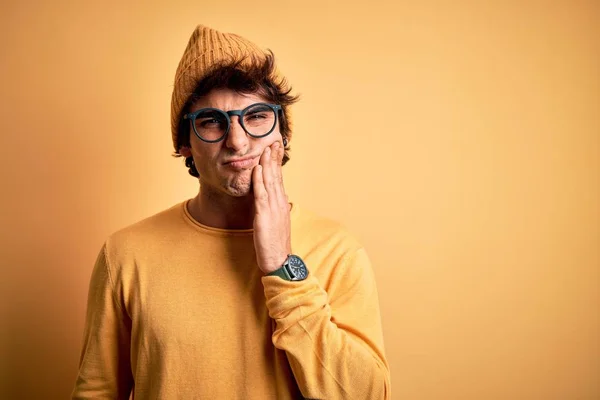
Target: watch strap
[{"x": 281, "y": 272}]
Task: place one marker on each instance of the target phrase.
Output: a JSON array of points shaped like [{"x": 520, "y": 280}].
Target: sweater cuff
[{"x": 287, "y": 297}]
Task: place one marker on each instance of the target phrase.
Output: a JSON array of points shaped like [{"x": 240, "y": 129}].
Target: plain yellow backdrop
[{"x": 459, "y": 140}]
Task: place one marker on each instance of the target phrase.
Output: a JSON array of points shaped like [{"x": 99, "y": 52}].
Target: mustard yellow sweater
[{"x": 179, "y": 310}]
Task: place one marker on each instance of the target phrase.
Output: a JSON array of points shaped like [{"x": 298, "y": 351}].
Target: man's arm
[
  {"x": 104, "y": 367},
  {"x": 334, "y": 340}
]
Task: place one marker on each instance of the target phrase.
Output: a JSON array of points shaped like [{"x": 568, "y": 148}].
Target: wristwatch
[{"x": 293, "y": 269}]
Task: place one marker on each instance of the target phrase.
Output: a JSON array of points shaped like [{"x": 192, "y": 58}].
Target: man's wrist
[{"x": 275, "y": 266}]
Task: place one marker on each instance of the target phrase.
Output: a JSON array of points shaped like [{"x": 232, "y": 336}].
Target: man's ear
[{"x": 185, "y": 151}]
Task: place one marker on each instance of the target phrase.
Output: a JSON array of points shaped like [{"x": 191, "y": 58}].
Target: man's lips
[{"x": 240, "y": 163}]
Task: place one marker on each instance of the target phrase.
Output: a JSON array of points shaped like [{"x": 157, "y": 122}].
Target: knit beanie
[{"x": 205, "y": 49}]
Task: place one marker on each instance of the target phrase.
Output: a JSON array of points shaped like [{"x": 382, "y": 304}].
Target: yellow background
[{"x": 460, "y": 140}]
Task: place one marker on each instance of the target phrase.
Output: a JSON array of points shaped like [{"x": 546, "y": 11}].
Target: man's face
[{"x": 213, "y": 159}]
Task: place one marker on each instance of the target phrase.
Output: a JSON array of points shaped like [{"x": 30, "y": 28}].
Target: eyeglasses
[{"x": 211, "y": 125}]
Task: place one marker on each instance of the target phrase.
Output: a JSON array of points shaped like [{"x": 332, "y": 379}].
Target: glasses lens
[
  {"x": 259, "y": 119},
  {"x": 211, "y": 124}
]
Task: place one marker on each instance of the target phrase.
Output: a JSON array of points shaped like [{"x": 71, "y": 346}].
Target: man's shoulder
[
  {"x": 307, "y": 218},
  {"x": 153, "y": 229},
  {"x": 320, "y": 229}
]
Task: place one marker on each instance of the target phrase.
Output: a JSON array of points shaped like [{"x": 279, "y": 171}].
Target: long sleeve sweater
[{"x": 180, "y": 310}]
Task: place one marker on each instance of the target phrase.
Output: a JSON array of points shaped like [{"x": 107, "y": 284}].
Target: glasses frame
[{"x": 227, "y": 114}]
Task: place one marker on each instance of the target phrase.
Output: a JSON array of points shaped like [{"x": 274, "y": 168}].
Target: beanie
[{"x": 205, "y": 49}]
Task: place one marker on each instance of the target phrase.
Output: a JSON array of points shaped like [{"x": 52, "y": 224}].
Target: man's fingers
[
  {"x": 277, "y": 157},
  {"x": 261, "y": 197},
  {"x": 267, "y": 171},
  {"x": 276, "y": 149},
  {"x": 271, "y": 177},
  {"x": 281, "y": 154}
]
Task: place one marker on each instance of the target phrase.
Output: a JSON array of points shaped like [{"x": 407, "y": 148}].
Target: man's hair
[{"x": 255, "y": 78}]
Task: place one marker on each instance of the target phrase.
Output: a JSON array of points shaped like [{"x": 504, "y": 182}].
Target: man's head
[{"x": 226, "y": 72}]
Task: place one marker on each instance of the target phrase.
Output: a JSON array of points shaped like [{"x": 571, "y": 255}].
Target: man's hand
[{"x": 272, "y": 232}]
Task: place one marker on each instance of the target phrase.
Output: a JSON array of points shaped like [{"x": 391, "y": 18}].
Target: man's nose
[{"x": 237, "y": 137}]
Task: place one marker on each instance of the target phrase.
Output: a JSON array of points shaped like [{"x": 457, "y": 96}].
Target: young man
[{"x": 236, "y": 293}]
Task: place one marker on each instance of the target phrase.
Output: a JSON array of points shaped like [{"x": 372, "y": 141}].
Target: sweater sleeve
[
  {"x": 333, "y": 340},
  {"x": 104, "y": 367}
]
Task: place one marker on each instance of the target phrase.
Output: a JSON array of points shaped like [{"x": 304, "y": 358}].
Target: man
[{"x": 236, "y": 293}]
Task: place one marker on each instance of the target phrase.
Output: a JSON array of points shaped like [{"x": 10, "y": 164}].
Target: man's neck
[{"x": 219, "y": 210}]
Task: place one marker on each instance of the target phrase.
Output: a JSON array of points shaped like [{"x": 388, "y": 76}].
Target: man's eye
[
  {"x": 256, "y": 116},
  {"x": 209, "y": 122}
]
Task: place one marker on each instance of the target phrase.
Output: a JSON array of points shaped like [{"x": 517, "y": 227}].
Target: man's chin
[
  {"x": 238, "y": 193},
  {"x": 239, "y": 189},
  {"x": 237, "y": 185}
]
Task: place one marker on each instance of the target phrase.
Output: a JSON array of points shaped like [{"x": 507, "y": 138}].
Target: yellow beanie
[{"x": 206, "y": 48}]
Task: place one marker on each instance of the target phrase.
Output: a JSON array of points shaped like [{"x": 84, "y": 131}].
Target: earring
[{"x": 189, "y": 162}]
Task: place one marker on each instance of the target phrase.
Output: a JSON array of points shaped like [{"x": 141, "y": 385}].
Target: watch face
[{"x": 297, "y": 268}]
